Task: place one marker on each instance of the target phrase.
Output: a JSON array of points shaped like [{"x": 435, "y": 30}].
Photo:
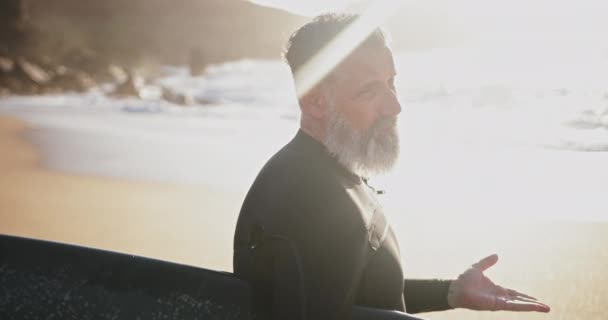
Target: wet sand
[{"x": 187, "y": 224}]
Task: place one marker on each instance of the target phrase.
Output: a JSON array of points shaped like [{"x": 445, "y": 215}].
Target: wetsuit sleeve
[
  {"x": 330, "y": 251},
  {"x": 422, "y": 295}
]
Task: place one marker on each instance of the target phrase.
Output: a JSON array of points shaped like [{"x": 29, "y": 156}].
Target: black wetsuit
[{"x": 313, "y": 241}]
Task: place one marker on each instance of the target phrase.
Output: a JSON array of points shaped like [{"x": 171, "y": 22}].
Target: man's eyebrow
[{"x": 368, "y": 85}]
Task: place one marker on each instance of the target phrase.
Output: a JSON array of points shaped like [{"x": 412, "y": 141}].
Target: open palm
[{"x": 473, "y": 290}]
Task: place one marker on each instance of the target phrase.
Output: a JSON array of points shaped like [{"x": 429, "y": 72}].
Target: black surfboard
[{"x": 48, "y": 280}]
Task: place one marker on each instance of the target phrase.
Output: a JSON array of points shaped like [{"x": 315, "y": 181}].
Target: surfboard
[{"x": 49, "y": 280}]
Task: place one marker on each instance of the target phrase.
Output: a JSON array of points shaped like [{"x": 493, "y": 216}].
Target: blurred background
[{"x": 138, "y": 126}]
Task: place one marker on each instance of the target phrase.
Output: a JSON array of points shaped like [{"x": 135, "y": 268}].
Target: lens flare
[{"x": 339, "y": 48}]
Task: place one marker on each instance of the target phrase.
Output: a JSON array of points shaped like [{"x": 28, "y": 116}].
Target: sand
[
  {"x": 563, "y": 264},
  {"x": 186, "y": 224}
]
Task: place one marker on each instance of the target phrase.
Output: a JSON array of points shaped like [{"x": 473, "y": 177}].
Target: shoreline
[{"x": 158, "y": 220}]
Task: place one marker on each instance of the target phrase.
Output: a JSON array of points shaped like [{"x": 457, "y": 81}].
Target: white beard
[{"x": 363, "y": 153}]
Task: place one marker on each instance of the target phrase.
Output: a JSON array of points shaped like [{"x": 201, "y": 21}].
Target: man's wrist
[{"x": 451, "y": 294}]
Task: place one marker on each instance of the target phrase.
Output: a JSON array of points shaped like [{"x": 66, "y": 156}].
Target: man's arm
[
  {"x": 472, "y": 290},
  {"x": 426, "y": 295}
]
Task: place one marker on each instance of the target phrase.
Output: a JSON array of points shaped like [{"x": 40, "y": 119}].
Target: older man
[{"x": 311, "y": 237}]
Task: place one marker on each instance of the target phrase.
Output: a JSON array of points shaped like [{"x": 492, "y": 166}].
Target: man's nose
[{"x": 391, "y": 105}]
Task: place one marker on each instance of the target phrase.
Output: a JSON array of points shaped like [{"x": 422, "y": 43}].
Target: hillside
[{"x": 167, "y": 31}]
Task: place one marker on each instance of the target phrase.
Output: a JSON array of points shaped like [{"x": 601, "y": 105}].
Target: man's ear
[{"x": 314, "y": 103}]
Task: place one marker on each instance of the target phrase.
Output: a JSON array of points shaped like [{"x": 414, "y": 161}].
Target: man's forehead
[{"x": 367, "y": 61}]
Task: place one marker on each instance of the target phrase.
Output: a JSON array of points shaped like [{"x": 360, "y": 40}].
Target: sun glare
[{"x": 333, "y": 53}]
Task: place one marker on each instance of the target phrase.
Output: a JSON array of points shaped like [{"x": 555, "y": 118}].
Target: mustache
[{"x": 385, "y": 123}]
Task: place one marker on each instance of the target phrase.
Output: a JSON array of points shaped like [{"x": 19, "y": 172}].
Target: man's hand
[{"x": 473, "y": 290}]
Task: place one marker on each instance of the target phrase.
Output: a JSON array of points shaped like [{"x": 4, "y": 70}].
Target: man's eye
[{"x": 367, "y": 93}]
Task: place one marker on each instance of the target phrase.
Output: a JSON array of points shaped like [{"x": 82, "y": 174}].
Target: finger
[
  {"x": 524, "y": 306},
  {"x": 500, "y": 298},
  {"x": 524, "y": 299},
  {"x": 486, "y": 262},
  {"x": 519, "y": 294}
]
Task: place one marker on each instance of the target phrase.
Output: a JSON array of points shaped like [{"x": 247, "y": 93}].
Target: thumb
[{"x": 486, "y": 262}]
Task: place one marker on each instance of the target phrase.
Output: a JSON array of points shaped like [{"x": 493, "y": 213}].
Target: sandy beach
[
  {"x": 187, "y": 224},
  {"x": 562, "y": 263}
]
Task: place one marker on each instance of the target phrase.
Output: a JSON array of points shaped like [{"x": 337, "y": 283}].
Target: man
[{"x": 311, "y": 237}]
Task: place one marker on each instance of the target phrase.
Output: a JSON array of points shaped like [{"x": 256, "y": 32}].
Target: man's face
[
  {"x": 361, "y": 122},
  {"x": 363, "y": 87}
]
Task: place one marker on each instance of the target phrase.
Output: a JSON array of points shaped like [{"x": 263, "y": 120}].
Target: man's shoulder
[
  {"x": 297, "y": 192},
  {"x": 297, "y": 178},
  {"x": 295, "y": 168}
]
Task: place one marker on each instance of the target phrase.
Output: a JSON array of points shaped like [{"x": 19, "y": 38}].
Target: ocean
[{"x": 491, "y": 133}]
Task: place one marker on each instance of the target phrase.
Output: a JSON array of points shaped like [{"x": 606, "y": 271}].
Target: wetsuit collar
[{"x": 312, "y": 145}]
